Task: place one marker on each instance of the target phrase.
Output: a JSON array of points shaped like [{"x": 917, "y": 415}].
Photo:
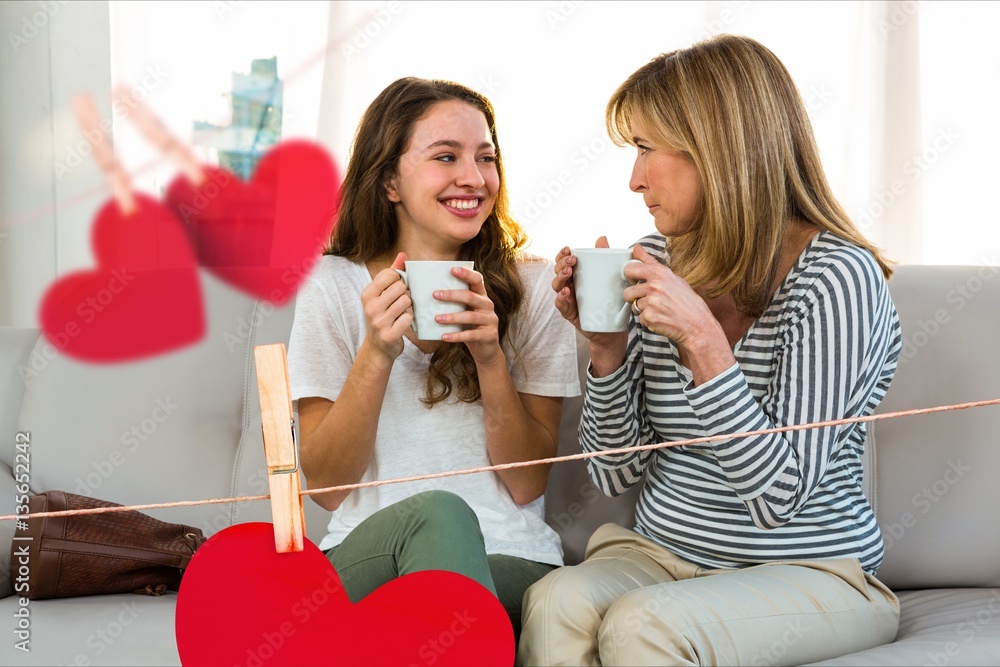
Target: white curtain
[
  {"x": 550, "y": 67},
  {"x": 893, "y": 27}
]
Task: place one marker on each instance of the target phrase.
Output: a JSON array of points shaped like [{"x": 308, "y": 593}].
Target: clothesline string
[{"x": 523, "y": 464}]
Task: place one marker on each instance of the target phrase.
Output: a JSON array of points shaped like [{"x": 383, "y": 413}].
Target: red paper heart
[
  {"x": 262, "y": 237},
  {"x": 143, "y": 299},
  {"x": 242, "y": 603}
]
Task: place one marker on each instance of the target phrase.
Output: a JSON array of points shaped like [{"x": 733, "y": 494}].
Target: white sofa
[{"x": 186, "y": 426}]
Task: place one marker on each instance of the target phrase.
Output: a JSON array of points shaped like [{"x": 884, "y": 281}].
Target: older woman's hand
[
  {"x": 666, "y": 304},
  {"x": 607, "y": 350}
]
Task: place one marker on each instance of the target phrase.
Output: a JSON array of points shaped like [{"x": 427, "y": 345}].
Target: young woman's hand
[
  {"x": 607, "y": 350},
  {"x": 482, "y": 326},
  {"x": 387, "y": 309}
]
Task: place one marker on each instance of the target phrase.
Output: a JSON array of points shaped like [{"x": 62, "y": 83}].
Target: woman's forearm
[
  {"x": 338, "y": 450},
  {"x": 513, "y": 434}
]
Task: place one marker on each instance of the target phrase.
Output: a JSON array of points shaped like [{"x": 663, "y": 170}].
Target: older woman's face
[{"x": 668, "y": 182}]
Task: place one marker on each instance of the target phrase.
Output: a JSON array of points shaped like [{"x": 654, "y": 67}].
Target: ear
[{"x": 390, "y": 190}]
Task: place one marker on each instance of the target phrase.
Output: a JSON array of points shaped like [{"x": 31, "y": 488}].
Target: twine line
[{"x": 521, "y": 464}]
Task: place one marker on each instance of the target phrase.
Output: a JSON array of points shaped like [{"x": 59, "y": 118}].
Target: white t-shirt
[{"x": 413, "y": 439}]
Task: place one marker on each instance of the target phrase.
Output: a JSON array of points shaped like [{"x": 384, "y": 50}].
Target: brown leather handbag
[{"x": 95, "y": 554}]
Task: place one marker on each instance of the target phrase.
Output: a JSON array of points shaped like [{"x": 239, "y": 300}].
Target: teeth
[{"x": 464, "y": 204}]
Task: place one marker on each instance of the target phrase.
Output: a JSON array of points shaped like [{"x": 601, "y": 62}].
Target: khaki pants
[{"x": 632, "y": 602}]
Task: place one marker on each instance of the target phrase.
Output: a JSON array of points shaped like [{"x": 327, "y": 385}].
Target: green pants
[{"x": 433, "y": 530}]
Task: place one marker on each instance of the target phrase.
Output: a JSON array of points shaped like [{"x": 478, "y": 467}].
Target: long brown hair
[
  {"x": 366, "y": 225},
  {"x": 731, "y": 106}
]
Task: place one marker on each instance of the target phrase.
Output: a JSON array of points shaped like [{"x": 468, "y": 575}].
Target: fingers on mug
[{"x": 422, "y": 279}]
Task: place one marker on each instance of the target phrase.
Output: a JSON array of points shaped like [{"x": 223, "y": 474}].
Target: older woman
[{"x": 756, "y": 304}]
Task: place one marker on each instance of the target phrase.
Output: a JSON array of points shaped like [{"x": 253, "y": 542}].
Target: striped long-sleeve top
[{"x": 825, "y": 348}]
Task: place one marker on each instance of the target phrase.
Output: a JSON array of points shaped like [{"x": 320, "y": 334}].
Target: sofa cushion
[
  {"x": 940, "y": 627},
  {"x": 97, "y": 630},
  {"x": 937, "y": 491}
]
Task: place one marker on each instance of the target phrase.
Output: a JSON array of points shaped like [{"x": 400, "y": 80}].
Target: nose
[
  {"x": 638, "y": 181},
  {"x": 469, "y": 175}
]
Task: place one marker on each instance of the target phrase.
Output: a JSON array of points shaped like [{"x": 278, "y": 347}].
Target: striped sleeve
[
  {"x": 823, "y": 372},
  {"x": 612, "y": 411},
  {"x": 611, "y": 419}
]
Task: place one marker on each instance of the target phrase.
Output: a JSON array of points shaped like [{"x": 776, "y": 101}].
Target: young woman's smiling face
[{"x": 446, "y": 183}]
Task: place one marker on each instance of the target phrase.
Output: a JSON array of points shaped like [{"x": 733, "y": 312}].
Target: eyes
[
  {"x": 642, "y": 149},
  {"x": 450, "y": 157}
]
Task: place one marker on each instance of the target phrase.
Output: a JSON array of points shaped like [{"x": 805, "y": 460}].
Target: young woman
[
  {"x": 425, "y": 182},
  {"x": 757, "y": 304}
]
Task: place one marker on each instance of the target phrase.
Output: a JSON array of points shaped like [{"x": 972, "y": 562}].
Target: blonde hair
[{"x": 731, "y": 106}]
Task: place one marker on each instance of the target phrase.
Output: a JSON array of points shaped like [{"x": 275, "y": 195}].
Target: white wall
[{"x": 49, "y": 52}]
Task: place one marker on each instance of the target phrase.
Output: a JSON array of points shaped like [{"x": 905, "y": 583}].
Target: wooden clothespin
[
  {"x": 156, "y": 133},
  {"x": 279, "y": 447},
  {"x": 90, "y": 122}
]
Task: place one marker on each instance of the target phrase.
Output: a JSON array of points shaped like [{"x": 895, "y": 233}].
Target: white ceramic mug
[
  {"x": 599, "y": 280},
  {"x": 423, "y": 278}
]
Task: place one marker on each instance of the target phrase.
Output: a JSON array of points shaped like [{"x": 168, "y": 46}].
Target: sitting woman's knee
[
  {"x": 440, "y": 503},
  {"x": 442, "y": 511}
]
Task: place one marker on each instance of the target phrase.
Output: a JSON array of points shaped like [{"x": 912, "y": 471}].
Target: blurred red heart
[
  {"x": 144, "y": 297},
  {"x": 262, "y": 237},
  {"x": 242, "y": 603}
]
